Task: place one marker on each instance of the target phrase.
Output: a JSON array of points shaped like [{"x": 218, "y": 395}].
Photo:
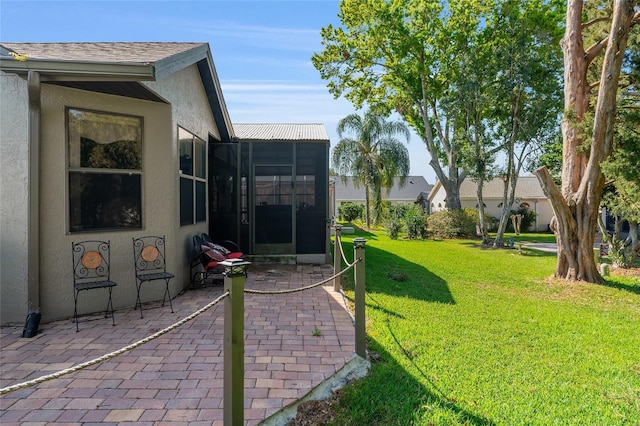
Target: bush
[
  {"x": 453, "y": 223},
  {"x": 528, "y": 218},
  {"x": 416, "y": 222},
  {"x": 488, "y": 219},
  {"x": 350, "y": 211},
  {"x": 394, "y": 226}
]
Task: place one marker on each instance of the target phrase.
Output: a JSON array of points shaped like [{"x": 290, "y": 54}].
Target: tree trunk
[
  {"x": 576, "y": 207},
  {"x": 483, "y": 225},
  {"x": 633, "y": 237},
  {"x": 367, "y": 202}
]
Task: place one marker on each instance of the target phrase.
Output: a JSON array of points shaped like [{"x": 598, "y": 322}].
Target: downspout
[{"x": 33, "y": 233}]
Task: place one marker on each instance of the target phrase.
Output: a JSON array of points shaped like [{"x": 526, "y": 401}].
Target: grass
[{"x": 482, "y": 337}]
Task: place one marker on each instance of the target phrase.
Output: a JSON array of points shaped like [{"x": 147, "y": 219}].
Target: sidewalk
[{"x": 177, "y": 378}]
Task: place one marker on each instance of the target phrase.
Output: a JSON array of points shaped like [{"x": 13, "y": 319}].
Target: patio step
[{"x": 284, "y": 259}]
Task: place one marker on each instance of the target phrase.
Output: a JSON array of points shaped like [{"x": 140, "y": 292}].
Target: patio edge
[{"x": 356, "y": 368}]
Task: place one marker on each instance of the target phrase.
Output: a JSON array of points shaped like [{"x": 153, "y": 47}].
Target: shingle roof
[
  {"x": 281, "y": 132},
  {"x": 527, "y": 187},
  {"x": 116, "y": 52},
  {"x": 412, "y": 189}
]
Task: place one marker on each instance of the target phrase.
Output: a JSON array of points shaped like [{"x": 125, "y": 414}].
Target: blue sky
[{"x": 261, "y": 49}]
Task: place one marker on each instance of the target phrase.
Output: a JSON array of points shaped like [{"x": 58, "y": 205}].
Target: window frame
[
  {"x": 196, "y": 176},
  {"x": 102, "y": 171}
]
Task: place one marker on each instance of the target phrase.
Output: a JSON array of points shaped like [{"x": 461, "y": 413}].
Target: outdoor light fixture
[{"x": 235, "y": 267}]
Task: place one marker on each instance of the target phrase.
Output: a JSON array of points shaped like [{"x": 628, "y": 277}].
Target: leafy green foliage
[
  {"x": 449, "y": 224},
  {"x": 528, "y": 219},
  {"x": 461, "y": 73},
  {"x": 350, "y": 211},
  {"x": 415, "y": 222},
  {"x": 373, "y": 156}
]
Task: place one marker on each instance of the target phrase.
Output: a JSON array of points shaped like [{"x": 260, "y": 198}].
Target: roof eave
[
  {"x": 213, "y": 90},
  {"x": 52, "y": 70}
]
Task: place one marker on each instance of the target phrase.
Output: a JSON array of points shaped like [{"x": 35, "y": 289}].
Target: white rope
[
  {"x": 294, "y": 290},
  {"x": 344, "y": 259},
  {"x": 108, "y": 356}
]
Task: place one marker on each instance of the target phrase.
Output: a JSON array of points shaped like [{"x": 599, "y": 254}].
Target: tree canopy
[
  {"x": 445, "y": 67},
  {"x": 372, "y": 155}
]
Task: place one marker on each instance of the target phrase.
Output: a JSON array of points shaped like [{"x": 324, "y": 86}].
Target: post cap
[
  {"x": 359, "y": 242},
  {"x": 234, "y": 267}
]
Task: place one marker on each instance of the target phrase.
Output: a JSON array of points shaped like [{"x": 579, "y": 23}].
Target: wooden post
[
  {"x": 361, "y": 333},
  {"x": 337, "y": 258},
  {"x": 233, "y": 351}
]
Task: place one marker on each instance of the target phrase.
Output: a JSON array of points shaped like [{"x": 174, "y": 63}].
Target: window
[
  {"x": 104, "y": 170},
  {"x": 193, "y": 173}
]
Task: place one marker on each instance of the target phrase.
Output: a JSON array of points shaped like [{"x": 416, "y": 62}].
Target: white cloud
[{"x": 300, "y": 39}]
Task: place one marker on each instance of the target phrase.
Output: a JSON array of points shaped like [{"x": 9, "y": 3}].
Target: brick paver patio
[{"x": 178, "y": 377}]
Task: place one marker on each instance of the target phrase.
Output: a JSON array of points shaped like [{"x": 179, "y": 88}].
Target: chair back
[
  {"x": 149, "y": 254},
  {"x": 206, "y": 238},
  {"x": 91, "y": 261},
  {"x": 198, "y": 242}
]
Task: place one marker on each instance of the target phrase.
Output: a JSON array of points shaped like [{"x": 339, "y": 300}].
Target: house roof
[
  {"x": 414, "y": 186},
  {"x": 281, "y": 132},
  {"x": 117, "y": 52},
  {"x": 526, "y": 187},
  {"x": 117, "y": 68}
]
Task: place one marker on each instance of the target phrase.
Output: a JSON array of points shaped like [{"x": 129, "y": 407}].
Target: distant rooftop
[
  {"x": 414, "y": 186},
  {"x": 527, "y": 187}
]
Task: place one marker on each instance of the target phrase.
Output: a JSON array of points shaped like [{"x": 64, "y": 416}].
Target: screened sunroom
[{"x": 268, "y": 191}]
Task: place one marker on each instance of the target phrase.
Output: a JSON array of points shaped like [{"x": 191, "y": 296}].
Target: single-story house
[
  {"x": 528, "y": 193},
  {"x": 111, "y": 141},
  {"x": 345, "y": 192}
]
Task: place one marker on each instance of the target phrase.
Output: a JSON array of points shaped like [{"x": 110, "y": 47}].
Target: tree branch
[
  {"x": 594, "y": 50},
  {"x": 595, "y": 21}
]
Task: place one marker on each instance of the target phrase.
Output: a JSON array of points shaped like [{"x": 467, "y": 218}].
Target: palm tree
[{"x": 374, "y": 157}]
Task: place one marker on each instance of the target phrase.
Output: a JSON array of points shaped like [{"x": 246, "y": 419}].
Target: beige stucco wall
[
  {"x": 191, "y": 111},
  {"x": 437, "y": 202},
  {"x": 14, "y": 207},
  {"x": 160, "y": 193}
]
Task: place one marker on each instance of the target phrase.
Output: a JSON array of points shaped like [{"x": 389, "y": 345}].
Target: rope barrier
[
  {"x": 108, "y": 356},
  {"x": 344, "y": 259},
  {"x": 200, "y": 311},
  {"x": 294, "y": 290}
]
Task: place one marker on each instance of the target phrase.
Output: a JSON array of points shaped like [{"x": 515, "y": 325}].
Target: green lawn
[{"x": 481, "y": 337}]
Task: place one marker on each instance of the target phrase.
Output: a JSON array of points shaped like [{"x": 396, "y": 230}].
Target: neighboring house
[
  {"x": 410, "y": 193},
  {"x": 111, "y": 141},
  {"x": 528, "y": 193}
]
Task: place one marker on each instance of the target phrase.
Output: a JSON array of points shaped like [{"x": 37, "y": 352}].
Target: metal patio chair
[
  {"x": 207, "y": 257},
  {"x": 91, "y": 270},
  {"x": 150, "y": 265}
]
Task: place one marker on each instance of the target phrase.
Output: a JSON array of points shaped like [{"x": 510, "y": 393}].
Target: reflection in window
[{"x": 105, "y": 166}]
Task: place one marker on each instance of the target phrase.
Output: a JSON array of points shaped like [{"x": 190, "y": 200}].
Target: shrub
[
  {"x": 350, "y": 211},
  {"x": 528, "y": 218},
  {"x": 453, "y": 223},
  {"x": 416, "y": 222},
  {"x": 488, "y": 219},
  {"x": 394, "y": 226}
]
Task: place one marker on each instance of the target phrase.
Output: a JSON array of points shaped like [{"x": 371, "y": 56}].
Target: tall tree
[
  {"x": 576, "y": 203},
  {"x": 527, "y": 91},
  {"x": 372, "y": 155},
  {"x": 399, "y": 55}
]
